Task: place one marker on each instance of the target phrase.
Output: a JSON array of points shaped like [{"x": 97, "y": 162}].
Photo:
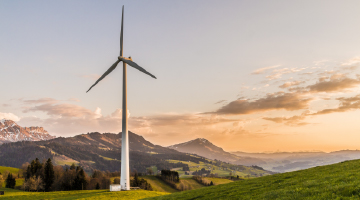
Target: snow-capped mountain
[{"x": 11, "y": 132}]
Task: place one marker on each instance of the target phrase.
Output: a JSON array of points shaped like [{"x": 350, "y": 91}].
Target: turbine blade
[
  {"x": 136, "y": 66},
  {"x": 121, "y": 33},
  {"x": 105, "y": 74}
]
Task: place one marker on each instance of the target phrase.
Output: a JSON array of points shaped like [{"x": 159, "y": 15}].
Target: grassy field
[
  {"x": 338, "y": 181},
  {"x": 159, "y": 185},
  {"x": 193, "y": 185},
  {"x": 80, "y": 194},
  {"x": 222, "y": 171},
  {"x": 10, "y": 169},
  {"x": 218, "y": 181}
]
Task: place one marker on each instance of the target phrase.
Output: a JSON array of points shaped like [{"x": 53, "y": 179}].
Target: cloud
[
  {"x": 221, "y": 101},
  {"x": 277, "y": 73},
  {"x": 289, "y": 84},
  {"x": 63, "y": 110},
  {"x": 352, "y": 61},
  {"x": 9, "y": 116},
  {"x": 291, "y": 121},
  {"x": 276, "y": 101},
  {"x": 262, "y": 70},
  {"x": 346, "y": 104},
  {"x": 41, "y": 100},
  {"x": 337, "y": 83},
  {"x": 67, "y": 119}
]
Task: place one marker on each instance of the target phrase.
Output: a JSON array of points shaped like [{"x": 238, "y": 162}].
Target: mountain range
[
  {"x": 102, "y": 151},
  {"x": 12, "y": 132},
  {"x": 276, "y": 161}
]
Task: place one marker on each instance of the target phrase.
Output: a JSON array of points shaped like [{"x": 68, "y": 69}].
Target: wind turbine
[{"x": 125, "y": 174}]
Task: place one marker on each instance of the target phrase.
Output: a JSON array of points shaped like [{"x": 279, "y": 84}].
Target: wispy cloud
[
  {"x": 290, "y": 84},
  {"x": 291, "y": 121},
  {"x": 346, "y": 104},
  {"x": 275, "y": 101},
  {"x": 277, "y": 73},
  {"x": 336, "y": 83},
  {"x": 262, "y": 70},
  {"x": 352, "y": 61},
  {"x": 40, "y": 101}
]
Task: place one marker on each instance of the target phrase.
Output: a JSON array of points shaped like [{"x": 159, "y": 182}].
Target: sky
[{"x": 252, "y": 76}]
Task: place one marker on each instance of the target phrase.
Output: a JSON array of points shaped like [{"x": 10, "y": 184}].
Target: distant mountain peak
[
  {"x": 205, "y": 148},
  {"x": 10, "y": 131}
]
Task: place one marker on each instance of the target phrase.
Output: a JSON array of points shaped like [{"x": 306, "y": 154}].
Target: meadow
[
  {"x": 222, "y": 171},
  {"x": 10, "y": 169},
  {"x": 337, "y": 181},
  {"x": 79, "y": 194}
]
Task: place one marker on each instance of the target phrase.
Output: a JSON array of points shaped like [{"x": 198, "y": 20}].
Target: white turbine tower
[{"x": 125, "y": 174}]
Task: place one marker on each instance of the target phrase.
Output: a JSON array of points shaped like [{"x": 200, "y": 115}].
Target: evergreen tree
[
  {"x": 97, "y": 186},
  {"x": 10, "y": 181},
  {"x": 35, "y": 168},
  {"x": 80, "y": 182},
  {"x": 49, "y": 175},
  {"x": 72, "y": 166},
  {"x": 136, "y": 179}
]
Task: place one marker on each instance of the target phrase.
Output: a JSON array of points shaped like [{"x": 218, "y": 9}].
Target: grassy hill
[
  {"x": 10, "y": 169},
  {"x": 337, "y": 181},
  {"x": 159, "y": 185},
  {"x": 223, "y": 170}
]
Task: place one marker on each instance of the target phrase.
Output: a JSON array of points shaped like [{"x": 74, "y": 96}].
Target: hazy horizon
[{"x": 252, "y": 76}]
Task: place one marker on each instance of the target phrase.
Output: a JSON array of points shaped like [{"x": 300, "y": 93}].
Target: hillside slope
[
  {"x": 93, "y": 151},
  {"x": 337, "y": 181},
  {"x": 96, "y": 151},
  {"x": 205, "y": 148}
]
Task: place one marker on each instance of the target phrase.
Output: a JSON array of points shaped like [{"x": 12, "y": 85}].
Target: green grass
[
  {"x": 218, "y": 181},
  {"x": 10, "y": 169},
  {"x": 106, "y": 158},
  {"x": 80, "y": 194},
  {"x": 158, "y": 185},
  {"x": 338, "y": 181},
  {"x": 193, "y": 185},
  {"x": 222, "y": 171},
  {"x": 59, "y": 160}
]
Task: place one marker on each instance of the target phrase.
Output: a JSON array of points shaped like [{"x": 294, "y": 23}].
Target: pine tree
[
  {"x": 80, "y": 182},
  {"x": 97, "y": 186},
  {"x": 72, "y": 166},
  {"x": 49, "y": 176},
  {"x": 10, "y": 181}
]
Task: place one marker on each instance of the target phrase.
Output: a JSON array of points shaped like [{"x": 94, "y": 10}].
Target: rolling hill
[{"x": 336, "y": 181}]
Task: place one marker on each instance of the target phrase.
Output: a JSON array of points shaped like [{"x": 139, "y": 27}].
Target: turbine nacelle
[{"x": 121, "y": 58}]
